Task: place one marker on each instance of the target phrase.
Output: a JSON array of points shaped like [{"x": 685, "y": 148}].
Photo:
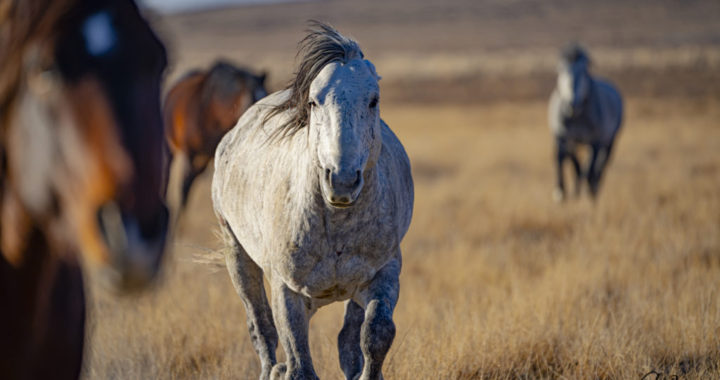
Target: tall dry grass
[{"x": 498, "y": 281}]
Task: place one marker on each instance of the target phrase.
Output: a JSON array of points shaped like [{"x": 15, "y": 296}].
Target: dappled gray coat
[{"x": 314, "y": 192}]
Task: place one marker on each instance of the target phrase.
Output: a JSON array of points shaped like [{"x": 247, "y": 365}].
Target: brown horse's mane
[{"x": 25, "y": 23}]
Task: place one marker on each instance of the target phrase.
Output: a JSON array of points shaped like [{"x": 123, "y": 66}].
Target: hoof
[
  {"x": 558, "y": 195},
  {"x": 278, "y": 371},
  {"x": 360, "y": 377},
  {"x": 266, "y": 373},
  {"x": 594, "y": 192}
]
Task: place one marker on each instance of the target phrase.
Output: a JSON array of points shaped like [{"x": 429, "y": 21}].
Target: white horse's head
[
  {"x": 345, "y": 120},
  {"x": 336, "y": 95},
  {"x": 573, "y": 80}
]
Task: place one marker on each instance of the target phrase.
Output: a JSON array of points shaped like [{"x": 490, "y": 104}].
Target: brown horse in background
[
  {"x": 81, "y": 139},
  {"x": 199, "y": 109}
]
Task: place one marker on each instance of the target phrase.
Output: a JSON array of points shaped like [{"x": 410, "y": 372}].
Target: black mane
[{"x": 321, "y": 46}]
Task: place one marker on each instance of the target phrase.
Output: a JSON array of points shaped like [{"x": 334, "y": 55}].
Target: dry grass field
[{"x": 498, "y": 281}]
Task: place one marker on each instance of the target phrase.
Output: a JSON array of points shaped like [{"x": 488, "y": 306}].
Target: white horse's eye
[
  {"x": 312, "y": 104},
  {"x": 373, "y": 103}
]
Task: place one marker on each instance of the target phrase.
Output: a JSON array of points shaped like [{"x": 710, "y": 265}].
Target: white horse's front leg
[
  {"x": 247, "y": 278},
  {"x": 351, "y": 357},
  {"x": 292, "y": 313},
  {"x": 378, "y": 329}
]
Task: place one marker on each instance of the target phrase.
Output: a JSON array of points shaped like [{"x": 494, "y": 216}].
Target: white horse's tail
[{"x": 213, "y": 258}]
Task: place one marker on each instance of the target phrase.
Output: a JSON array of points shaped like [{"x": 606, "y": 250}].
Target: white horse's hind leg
[
  {"x": 378, "y": 329},
  {"x": 247, "y": 278},
  {"x": 351, "y": 357},
  {"x": 292, "y": 313}
]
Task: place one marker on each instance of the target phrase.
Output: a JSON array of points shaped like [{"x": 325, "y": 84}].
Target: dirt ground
[{"x": 498, "y": 280}]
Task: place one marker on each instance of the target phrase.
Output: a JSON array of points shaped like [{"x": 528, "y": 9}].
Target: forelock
[{"x": 322, "y": 45}]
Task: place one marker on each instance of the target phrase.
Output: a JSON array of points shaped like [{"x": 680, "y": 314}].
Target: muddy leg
[
  {"x": 351, "y": 357},
  {"x": 292, "y": 313},
  {"x": 378, "y": 329},
  {"x": 247, "y": 278}
]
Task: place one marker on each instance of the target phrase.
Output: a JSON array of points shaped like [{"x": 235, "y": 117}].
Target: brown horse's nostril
[
  {"x": 135, "y": 247},
  {"x": 113, "y": 223}
]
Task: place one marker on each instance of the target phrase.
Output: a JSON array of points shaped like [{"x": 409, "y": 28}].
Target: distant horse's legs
[
  {"x": 184, "y": 168},
  {"x": 179, "y": 170},
  {"x": 578, "y": 173},
  {"x": 560, "y": 154},
  {"x": 592, "y": 172},
  {"x": 603, "y": 156},
  {"x": 247, "y": 278},
  {"x": 351, "y": 357},
  {"x": 198, "y": 162},
  {"x": 378, "y": 329},
  {"x": 292, "y": 313},
  {"x": 187, "y": 182}
]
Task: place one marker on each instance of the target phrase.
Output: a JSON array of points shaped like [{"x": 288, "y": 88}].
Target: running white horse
[
  {"x": 583, "y": 110},
  {"x": 314, "y": 190}
]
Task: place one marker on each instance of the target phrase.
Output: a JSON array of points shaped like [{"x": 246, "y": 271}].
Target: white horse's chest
[{"x": 333, "y": 264}]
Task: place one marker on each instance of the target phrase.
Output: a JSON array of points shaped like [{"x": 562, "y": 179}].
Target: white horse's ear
[{"x": 372, "y": 69}]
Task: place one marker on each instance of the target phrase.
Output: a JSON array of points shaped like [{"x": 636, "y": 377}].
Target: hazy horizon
[{"x": 177, "y": 6}]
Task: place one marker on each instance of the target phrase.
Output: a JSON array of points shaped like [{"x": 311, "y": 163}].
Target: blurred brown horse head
[
  {"x": 81, "y": 151},
  {"x": 82, "y": 133},
  {"x": 199, "y": 109}
]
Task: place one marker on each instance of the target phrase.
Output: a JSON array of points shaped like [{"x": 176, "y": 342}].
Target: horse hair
[
  {"x": 321, "y": 46},
  {"x": 20, "y": 22}
]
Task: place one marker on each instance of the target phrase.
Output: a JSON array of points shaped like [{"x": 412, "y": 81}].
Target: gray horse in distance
[
  {"x": 313, "y": 191},
  {"x": 583, "y": 110}
]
